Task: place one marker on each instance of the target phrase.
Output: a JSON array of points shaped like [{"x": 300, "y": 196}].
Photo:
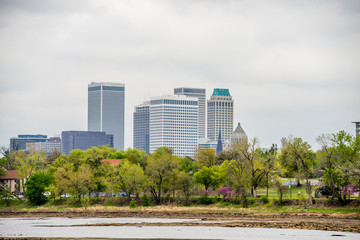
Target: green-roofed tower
[{"x": 220, "y": 115}]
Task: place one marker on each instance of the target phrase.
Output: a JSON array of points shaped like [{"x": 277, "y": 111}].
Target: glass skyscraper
[
  {"x": 106, "y": 107},
  {"x": 141, "y": 139},
  {"x": 220, "y": 116},
  {"x": 199, "y": 93}
]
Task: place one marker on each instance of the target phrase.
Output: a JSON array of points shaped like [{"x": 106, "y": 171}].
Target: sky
[{"x": 292, "y": 67}]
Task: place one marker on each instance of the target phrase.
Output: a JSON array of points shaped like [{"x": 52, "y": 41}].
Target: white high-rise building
[
  {"x": 199, "y": 93},
  {"x": 174, "y": 124},
  {"x": 106, "y": 107},
  {"x": 220, "y": 116}
]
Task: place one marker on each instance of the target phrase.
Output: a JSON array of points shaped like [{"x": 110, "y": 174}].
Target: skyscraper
[
  {"x": 174, "y": 124},
  {"x": 106, "y": 106},
  {"x": 199, "y": 93},
  {"x": 220, "y": 115},
  {"x": 141, "y": 139}
]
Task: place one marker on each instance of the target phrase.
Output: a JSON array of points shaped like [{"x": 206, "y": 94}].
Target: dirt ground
[{"x": 301, "y": 220}]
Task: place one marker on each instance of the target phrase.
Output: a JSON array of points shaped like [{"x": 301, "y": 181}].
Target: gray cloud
[{"x": 292, "y": 67}]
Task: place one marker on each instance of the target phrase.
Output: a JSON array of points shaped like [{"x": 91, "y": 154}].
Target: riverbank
[{"x": 210, "y": 216}]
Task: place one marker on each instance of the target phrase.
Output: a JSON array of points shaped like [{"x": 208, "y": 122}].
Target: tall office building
[
  {"x": 357, "y": 128},
  {"x": 141, "y": 137},
  {"x": 106, "y": 107},
  {"x": 220, "y": 115},
  {"x": 174, "y": 124},
  {"x": 199, "y": 93},
  {"x": 19, "y": 143},
  {"x": 83, "y": 140}
]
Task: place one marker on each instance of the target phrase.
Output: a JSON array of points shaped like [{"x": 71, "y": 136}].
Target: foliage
[
  {"x": 160, "y": 165},
  {"x": 205, "y": 177},
  {"x": 129, "y": 178},
  {"x": 36, "y": 185},
  {"x": 206, "y": 157},
  {"x": 75, "y": 182},
  {"x": 145, "y": 201},
  {"x": 132, "y": 203},
  {"x": 184, "y": 183},
  {"x": 297, "y": 152}
]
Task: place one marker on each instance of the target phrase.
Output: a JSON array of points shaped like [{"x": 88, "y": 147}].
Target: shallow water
[{"x": 62, "y": 228}]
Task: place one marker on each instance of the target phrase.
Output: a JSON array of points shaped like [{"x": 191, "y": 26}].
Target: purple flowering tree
[{"x": 226, "y": 192}]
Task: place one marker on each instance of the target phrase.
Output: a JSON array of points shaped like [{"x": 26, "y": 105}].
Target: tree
[
  {"x": 328, "y": 164},
  {"x": 205, "y": 177},
  {"x": 160, "y": 165},
  {"x": 36, "y": 185},
  {"x": 130, "y": 177},
  {"x": 238, "y": 172},
  {"x": 347, "y": 157},
  {"x": 76, "y": 182},
  {"x": 187, "y": 165},
  {"x": 184, "y": 183},
  {"x": 248, "y": 151},
  {"x": 27, "y": 164},
  {"x": 299, "y": 152},
  {"x": 206, "y": 157},
  {"x": 271, "y": 165}
]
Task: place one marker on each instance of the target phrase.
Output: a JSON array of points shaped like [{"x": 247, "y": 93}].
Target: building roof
[
  {"x": 10, "y": 174},
  {"x": 239, "y": 129},
  {"x": 221, "y": 92},
  {"x": 111, "y": 161}
]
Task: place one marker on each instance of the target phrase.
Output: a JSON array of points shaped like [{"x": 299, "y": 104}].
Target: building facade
[
  {"x": 199, "y": 93},
  {"x": 83, "y": 140},
  {"x": 220, "y": 115},
  {"x": 238, "y": 135},
  {"x": 19, "y": 143},
  {"x": 141, "y": 131},
  {"x": 357, "y": 128},
  {"x": 53, "y": 144},
  {"x": 173, "y": 122},
  {"x": 106, "y": 108}
]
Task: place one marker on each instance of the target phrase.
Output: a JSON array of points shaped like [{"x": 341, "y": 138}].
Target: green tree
[
  {"x": 206, "y": 157},
  {"x": 238, "y": 172},
  {"x": 184, "y": 183},
  {"x": 299, "y": 152},
  {"x": 130, "y": 178},
  {"x": 75, "y": 182},
  {"x": 271, "y": 166},
  {"x": 347, "y": 157},
  {"x": 160, "y": 165},
  {"x": 36, "y": 185},
  {"x": 188, "y": 165},
  {"x": 27, "y": 164},
  {"x": 205, "y": 176},
  {"x": 249, "y": 152}
]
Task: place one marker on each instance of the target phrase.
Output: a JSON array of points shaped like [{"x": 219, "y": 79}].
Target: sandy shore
[{"x": 211, "y": 217}]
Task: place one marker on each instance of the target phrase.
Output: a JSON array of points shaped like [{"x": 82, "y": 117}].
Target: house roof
[
  {"x": 111, "y": 161},
  {"x": 10, "y": 174}
]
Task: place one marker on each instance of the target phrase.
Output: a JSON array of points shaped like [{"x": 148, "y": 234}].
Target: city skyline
[{"x": 291, "y": 67}]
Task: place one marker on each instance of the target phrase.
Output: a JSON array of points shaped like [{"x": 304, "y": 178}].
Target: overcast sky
[{"x": 292, "y": 67}]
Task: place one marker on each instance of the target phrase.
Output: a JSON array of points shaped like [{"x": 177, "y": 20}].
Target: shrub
[
  {"x": 264, "y": 200},
  {"x": 132, "y": 203},
  {"x": 205, "y": 200},
  {"x": 145, "y": 201}
]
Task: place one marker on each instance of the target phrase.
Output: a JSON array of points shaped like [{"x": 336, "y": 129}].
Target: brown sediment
[{"x": 213, "y": 218}]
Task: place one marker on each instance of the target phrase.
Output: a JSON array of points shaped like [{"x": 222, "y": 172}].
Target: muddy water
[{"x": 63, "y": 228}]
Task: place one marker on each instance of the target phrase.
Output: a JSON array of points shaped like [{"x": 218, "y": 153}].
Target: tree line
[{"x": 235, "y": 173}]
